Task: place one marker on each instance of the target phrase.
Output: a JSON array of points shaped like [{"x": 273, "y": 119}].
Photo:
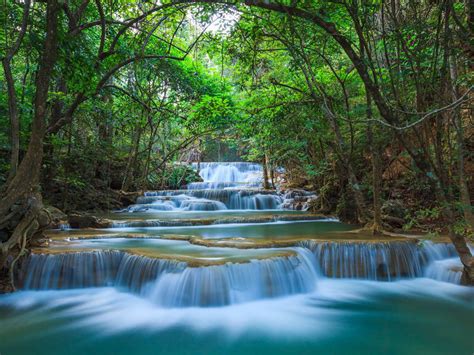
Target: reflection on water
[{"x": 275, "y": 230}]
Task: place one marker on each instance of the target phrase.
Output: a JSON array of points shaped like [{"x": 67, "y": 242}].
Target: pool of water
[
  {"x": 163, "y": 248},
  {"x": 269, "y": 231},
  {"x": 418, "y": 316},
  {"x": 150, "y": 289},
  {"x": 164, "y": 215}
]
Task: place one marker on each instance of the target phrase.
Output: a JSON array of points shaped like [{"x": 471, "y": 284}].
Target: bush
[{"x": 177, "y": 176}]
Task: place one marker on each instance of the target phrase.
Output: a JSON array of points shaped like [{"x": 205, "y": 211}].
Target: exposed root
[
  {"x": 22, "y": 252},
  {"x": 32, "y": 219}
]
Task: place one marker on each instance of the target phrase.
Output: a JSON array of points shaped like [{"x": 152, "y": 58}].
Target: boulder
[
  {"x": 298, "y": 199},
  {"x": 82, "y": 220},
  {"x": 57, "y": 216}
]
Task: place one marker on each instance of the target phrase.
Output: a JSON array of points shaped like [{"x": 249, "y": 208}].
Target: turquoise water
[
  {"x": 418, "y": 316},
  {"x": 276, "y": 230},
  {"x": 279, "y": 304},
  {"x": 200, "y": 214},
  {"x": 163, "y": 247},
  {"x": 341, "y": 316}
]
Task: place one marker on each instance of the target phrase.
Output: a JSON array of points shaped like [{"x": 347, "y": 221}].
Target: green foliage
[
  {"x": 266, "y": 84},
  {"x": 423, "y": 218},
  {"x": 176, "y": 176},
  {"x": 211, "y": 112}
]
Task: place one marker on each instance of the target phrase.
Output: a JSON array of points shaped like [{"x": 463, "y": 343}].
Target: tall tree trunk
[
  {"x": 266, "y": 186},
  {"x": 11, "y": 93},
  {"x": 21, "y": 205},
  {"x": 272, "y": 175},
  {"x": 129, "y": 170},
  {"x": 151, "y": 142},
  {"x": 376, "y": 171},
  {"x": 14, "y": 119},
  {"x": 463, "y": 188},
  {"x": 458, "y": 240}
]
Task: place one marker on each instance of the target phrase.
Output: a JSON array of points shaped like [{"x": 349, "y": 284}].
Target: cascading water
[
  {"x": 162, "y": 268},
  {"x": 235, "y": 283},
  {"x": 447, "y": 270},
  {"x": 377, "y": 260},
  {"x": 225, "y": 186},
  {"x": 444, "y": 264},
  {"x": 173, "y": 283},
  {"x": 225, "y": 175}
]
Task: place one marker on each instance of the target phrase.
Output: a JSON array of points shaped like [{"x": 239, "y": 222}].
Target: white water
[
  {"x": 290, "y": 315},
  {"x": 228, "y": 175},
  {"x": 171, "y": 283},
  {"x": 226, "y": 186},
  {"x": 379, "y": 260}
]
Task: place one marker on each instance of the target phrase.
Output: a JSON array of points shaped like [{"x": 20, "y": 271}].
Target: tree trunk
[
  {"x": 266, "y": 186},
  {"x": 272, "y": 175},
  {"x": 460, "y": 245},
  {"x": 11, "y": 92},
  {"x": 129, "y": 170},
  {"x": 21, "y": 205},
  {"x": 458, "y": 124},
  {"x": 14, "y": 119},
  {"x": 376, "y": 172}
]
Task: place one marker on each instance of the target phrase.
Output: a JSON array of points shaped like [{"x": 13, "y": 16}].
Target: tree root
[{"x": 31, "y": 222}]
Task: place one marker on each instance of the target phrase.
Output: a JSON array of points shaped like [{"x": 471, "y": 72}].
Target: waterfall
[
  {"x": 71, "y": 270},
  {"x": 447, "y": 270},
  {"x": 225, "y": 175},
  {"x": 443, "y": 265},
  {"x": 235, "y": 283},
  {"x": 173, "y": 283},
  {"x": 376, "y": 260},
  {"x": 226, "y": 186}
]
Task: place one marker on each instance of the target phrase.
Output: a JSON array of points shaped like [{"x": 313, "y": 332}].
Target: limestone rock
[
  {"x": 58, "y": 217},
  {"x": 80, "y": 220},
  {"x": 298, "y": 199}
]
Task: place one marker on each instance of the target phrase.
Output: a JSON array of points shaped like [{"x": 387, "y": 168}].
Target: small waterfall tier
[
  {"x": 448, "y": 270},
  {"x": 379, "y": 260},
  {"x": 173, "y": 283},
  {"x": 207, "y": 200},
  {"x": 225, "y": 186},
  {"x": 227, "y": 175}
]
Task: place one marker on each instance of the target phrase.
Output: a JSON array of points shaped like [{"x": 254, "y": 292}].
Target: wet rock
[
  {"x": 129, "y": 198},
  {"x": 57, "y": 216},
  {"x": 39, "y": 242},
  {"x": 56, "y": 213},
  {"x": 5, "y": 282},
  {"x": 298, "y": 199},
  {"x": 43, "y": 219},
  {"x": 79, "y": 220}
]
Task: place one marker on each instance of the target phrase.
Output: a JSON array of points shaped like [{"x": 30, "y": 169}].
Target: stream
[{"x": 224, "y": 267}]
